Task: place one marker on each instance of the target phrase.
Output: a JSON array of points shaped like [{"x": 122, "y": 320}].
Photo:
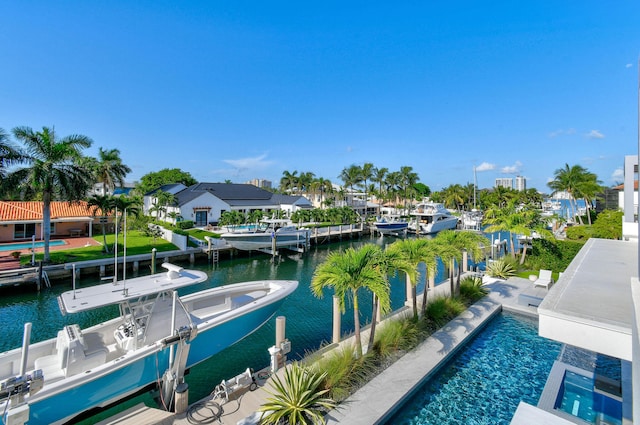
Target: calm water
[
  {"x": 308, "y": 319},
  {"x": 505, "y": 364}
]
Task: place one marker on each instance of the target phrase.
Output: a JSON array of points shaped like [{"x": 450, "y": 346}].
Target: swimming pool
[
  {"x": 507, "y": 362},
  {"x": 28, "y": 245},
  {"x": 578, "y": 398}
]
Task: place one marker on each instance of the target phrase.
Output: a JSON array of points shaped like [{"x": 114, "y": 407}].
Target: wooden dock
[{"x": 239, "y": 409}]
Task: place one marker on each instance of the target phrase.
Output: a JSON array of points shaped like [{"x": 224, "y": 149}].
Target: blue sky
[{"x": 236, "y": 90}]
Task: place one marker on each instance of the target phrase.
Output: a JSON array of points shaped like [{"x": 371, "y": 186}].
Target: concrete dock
[{"x": 373, "y": 403}]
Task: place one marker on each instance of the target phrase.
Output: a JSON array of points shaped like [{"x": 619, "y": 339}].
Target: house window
[
  {"x": 201, "y": 218},
  {"x": 24, "y": 230}
]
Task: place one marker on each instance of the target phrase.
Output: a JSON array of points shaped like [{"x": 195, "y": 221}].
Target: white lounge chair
[{"x": 544, "y": 279}]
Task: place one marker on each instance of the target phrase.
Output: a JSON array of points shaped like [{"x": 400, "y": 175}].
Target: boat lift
[{"x": 14, "y": 389}]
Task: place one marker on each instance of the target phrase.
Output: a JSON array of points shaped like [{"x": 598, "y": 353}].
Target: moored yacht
[
  {"x": 268, "y": 234},
  {"x": 431, "y": 217}
]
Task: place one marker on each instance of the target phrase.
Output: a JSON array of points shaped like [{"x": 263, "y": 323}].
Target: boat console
[{"x": 76, "y": 353}]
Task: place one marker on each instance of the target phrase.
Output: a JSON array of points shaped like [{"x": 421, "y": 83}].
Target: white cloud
[
  {"x": 562, "y": 132},
  {"x": 512, "y": 169},
  {"x": 595, "y": 134},
  {"x": 244, "y": 164},
  {"x": 485, "y": 166},
  {"x": 617, "y": 175},
  {"x": 629, "y": 65}
]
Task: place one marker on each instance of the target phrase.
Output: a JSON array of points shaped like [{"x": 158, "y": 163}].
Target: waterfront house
[
  {"x": 595, "y": 308},
  {"x": 20, "y": 220},
  {"x": 204, "y": 203}
]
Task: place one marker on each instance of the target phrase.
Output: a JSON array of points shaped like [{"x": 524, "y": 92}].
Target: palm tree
[
  {"x": 408, "y": 178},
  {"x": 413, "y": 251},
  {"x": 347, "y": 272},
  {"x": 569, "y": 179},
  {"x": 110, "y": 170},
  {"x": 389, "y": 261},
  {"x": 8, "y": 154},
  {"x": 288, "y": 181},
  {"x": 433, "y": 251},
  {"x": 588, "y": 189},
  {"x": 102, "y": 205},
  {"x": 366, "y": 174},
  {"x": 351, "y": 176},
  {"x": 509, "y": 219},
  {"x": 379, "y": 176},
  {"x": 52, "y": 171},
  {"x": 460, "y": 241}
]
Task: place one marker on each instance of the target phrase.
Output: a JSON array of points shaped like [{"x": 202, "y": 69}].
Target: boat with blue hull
[
  {"x": 156, "y": 338},
  {"x": 391, "y": 225}
]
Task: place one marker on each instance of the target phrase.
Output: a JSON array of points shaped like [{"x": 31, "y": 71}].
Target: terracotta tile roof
[
  {"x": 32, "y": 210},
  {"x": 621, "y": 186}
]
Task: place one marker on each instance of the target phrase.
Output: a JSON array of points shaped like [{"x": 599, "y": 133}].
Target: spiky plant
[
  {"x": 502, "y": 269},
  {"x": 297, "y": 398}
]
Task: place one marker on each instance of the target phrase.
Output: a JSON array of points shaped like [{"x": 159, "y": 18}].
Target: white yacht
[{"x": 431, "y": 217}]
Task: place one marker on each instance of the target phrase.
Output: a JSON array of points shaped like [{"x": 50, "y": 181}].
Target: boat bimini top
[{"x": 92, "y": 297}]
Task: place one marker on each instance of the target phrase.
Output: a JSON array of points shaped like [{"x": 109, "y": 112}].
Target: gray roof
[{"x": 236, "y": 194}]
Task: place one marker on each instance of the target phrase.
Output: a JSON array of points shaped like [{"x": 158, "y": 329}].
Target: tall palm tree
[
  {"x": 110, "y": 170},
  {"x": 408, "y": 178},
  {"x": 347, "y": 273},
  {"x": 351, "y": 176},
  {"x": 433, "y": 251},
  {"x": 569, "y": 179},
  {"x": 288, "y": 181},
  {"x": 51, "y": 171},
  {"x": 508, "y": 219},
  {"x": 389, "y": 262},
  {"x": 413, "y": 251},
  {"x": 588, "y": 189},
  {"x": 8, "y": 153},
  {"x": 379, "y": 176},
  {"x": 366, "y": 174},
  {"x": 103, "y": 206},
  {"x": 460, "y": 241}
]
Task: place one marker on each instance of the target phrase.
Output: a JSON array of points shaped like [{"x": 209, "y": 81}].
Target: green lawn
[{"x": 137, "y": 243}]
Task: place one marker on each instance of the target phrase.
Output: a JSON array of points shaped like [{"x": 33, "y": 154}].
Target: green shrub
[
  {"x": 471, "y": 289},
  {"x": 608, "y": 225},
  {"x": 443, "y": 309},
  {"x": 345, "y": 372},
  {"x": 552, "y": 254},
  {"x": 579, "y": 233},
  {"x": 396, "y": 334},
  {"x": 187, "y": 224}
]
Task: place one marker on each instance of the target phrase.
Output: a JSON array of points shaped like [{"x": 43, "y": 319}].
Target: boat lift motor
[
  {"x": 13, "y": 390},
  {"x": 229, "y": 387}
]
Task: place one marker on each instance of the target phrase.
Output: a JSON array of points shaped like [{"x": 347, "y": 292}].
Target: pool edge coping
[{"x": 371, "y": 405}]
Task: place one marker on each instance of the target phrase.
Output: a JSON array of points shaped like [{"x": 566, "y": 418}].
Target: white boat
[
  {"x": 431, "y": 217},
  {"x": 391, "y": 225},
  {"x": 268, "y": 235},
  {"x": 158, "y": 334}
]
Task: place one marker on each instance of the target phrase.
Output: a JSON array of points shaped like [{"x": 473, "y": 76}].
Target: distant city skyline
[{"x": 247, "y": 90}]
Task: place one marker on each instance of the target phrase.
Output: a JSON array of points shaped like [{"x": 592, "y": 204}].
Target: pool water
[
  {"x": 507, "y": 362},
  {"x": 579, "y": 399},
  {"x": 28, "y": 245}
]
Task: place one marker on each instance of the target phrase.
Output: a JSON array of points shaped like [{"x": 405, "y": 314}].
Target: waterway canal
[{"x": 308, "y": 319}]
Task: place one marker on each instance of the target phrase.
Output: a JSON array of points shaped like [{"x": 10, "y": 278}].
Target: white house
[{"x": 204, "y": 203}]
